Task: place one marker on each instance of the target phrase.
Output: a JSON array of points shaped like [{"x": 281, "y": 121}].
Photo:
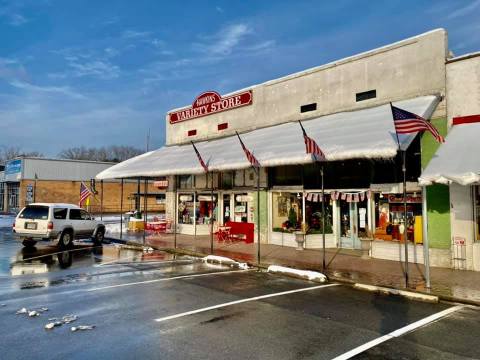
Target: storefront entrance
[{"x": 353, "y": 224}]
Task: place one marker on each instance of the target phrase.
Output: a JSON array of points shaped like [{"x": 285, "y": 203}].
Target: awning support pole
[
  {"x": 426, "y": 254},
  {"x": 101, "y": 200},
  {"x": 145, "y": 211},
  {"x": 323, "y": 220},
  {"x": 258, "y": 216},
  {"x": 211, "y": 217},
  {"x": 405, "y": 223},
  {"x": 121, "y": 209},
  {"x": 175, "y": 213}
]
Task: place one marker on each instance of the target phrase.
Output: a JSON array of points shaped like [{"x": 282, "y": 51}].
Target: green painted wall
[
  {"x": 438, "y": 197},
  {"x": 263, "y": 213}
]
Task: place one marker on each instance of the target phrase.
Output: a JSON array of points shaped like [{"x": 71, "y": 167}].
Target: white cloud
[
  {"x": 223, "y": 42},
  {"x": 65, "y": 90},
  {"x": 17, "y": 19},
  {"x": 97, "y": 68},
  {"x": 134, "y": 34},
  {"x": 219, "y": 9},
  {"x": 465, "y": 10},
  {"x": 11, "y": 69}
]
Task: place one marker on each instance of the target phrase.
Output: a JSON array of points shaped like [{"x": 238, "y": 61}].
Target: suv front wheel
[{"x": 66, "y": 240}]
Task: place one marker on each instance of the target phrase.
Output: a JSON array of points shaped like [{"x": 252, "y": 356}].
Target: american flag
[
  {"x": 205, "y": 167},
  {"x": 311, "y": 147},
  {"x": 84, "y": 194},
  {"x": 407, "y": 123},
  {"x": 250, "y": 157}
]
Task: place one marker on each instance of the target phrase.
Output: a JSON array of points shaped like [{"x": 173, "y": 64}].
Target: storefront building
[
  {"x": 345, "y": 107},
  {"x": 455, "y": 168},
  {"x": 28, "y": 179}
]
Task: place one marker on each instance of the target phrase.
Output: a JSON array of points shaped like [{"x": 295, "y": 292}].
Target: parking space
[{"x": 155, "y": 305}]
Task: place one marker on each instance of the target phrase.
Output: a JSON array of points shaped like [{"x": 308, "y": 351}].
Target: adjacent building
[{"x": 26, "y": 180}]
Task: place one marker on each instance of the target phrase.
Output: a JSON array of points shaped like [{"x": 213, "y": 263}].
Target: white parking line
[
  {"x": 397, "y": 333},
  {"x": 167, "y": 279},
  {"x": 255, "y": 298}
]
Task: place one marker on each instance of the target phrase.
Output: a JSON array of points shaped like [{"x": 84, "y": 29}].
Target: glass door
[
  {"x": 349, "y": 225},
  {"x": 227, "y": 210}
]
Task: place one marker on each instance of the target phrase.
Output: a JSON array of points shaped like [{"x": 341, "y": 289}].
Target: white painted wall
[
  {"x": 463, "y": 87},
  {"x": 406, "y": 69}
]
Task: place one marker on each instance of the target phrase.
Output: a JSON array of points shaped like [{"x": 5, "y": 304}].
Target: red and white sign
[
  {"x": 161, "y": 184},
  {"x": 211, "y": 102}
]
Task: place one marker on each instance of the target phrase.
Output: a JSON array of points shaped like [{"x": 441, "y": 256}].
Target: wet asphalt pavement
[{"x": 122, "y": 293}]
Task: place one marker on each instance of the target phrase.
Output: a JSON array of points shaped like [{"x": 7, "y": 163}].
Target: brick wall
[{"x": 69, "y": 191}]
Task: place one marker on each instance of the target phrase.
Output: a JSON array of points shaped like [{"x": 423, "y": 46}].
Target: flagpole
[
  {"x": 211, "y": 217},
  {"x": 323, "y": 218},
  {"x": 175, "y": 213},
  {"x": 404, "y": 170},
  {"x": 258, "y": 216},
  {"x": 121, "y": 209},
  {"x": 405, "y": 237}
]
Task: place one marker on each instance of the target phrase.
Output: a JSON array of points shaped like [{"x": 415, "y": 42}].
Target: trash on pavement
[
  {"x": 33, "y": 313},
  {"x": 51, "y": 325},
  {"x": 82, "y": 327},
  {"x": 67, "y": 319}
]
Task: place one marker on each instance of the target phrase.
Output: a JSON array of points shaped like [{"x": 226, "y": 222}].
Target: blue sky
[{"x": 102, "y": 72}]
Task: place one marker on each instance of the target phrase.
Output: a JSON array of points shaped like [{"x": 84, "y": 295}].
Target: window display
[
  {"x": 206, "y": 209},
  {"x": 186, "y": 208},
  {"x": 287, "y": 211},
  {"x": 313, "y": 214}
]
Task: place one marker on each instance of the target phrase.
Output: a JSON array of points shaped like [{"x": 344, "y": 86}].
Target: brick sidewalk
[{"x": 341, "y": 264}]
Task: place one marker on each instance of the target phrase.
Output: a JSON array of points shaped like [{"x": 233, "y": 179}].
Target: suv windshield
[{"x": 35, "y": 212}]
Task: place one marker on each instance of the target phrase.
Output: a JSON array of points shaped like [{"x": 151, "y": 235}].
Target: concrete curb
[
  {"x": 413, "y": 295},
  {"x": 396, "y": 292}
]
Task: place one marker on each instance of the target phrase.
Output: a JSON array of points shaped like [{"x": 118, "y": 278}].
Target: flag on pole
[
  {"x": 85, "y": 193},
  {"x": 408, "y": 123},
  {"x": 250, "y": 157},
  {"x": 311, "y": 147},
  {"x": 205, "y": 167}
]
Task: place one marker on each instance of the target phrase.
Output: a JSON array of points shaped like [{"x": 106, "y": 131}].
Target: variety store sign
[{"x": 211, "y": 102}]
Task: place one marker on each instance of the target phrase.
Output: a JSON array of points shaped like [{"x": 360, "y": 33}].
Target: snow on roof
[
  {"x": 366, "y": 133},
  {"x": 457, "y": 159}
]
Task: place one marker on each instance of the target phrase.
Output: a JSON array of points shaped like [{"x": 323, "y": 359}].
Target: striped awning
[{"x": 366, "y": 133}]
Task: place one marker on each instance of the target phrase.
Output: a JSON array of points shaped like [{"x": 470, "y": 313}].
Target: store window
[
  {"x": 206, "y": 209},
  {"x": 313, "y": 214},
  {"x": 226, "y": 180},
  {"x": 477, "y": 212},
  {"x": 186, "y": 209},
  {"x": 390, "y": 216},
  {"x": 160, "y": 199},
  {"x": 185, "y": 181},
  {"x": 287, "y": 211},
  {"x": 240, "y": 209}
]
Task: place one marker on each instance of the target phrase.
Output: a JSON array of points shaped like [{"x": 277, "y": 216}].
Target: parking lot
[{"x": 154, "y": 305}]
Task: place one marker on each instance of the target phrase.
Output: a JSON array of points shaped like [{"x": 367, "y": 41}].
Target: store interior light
[{"x": 381, "y": 195}]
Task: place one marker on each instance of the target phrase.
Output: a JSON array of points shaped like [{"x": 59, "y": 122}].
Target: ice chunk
[
  {"x": 33, "y": 313},
  {"x": 22, "y": 311},
  {"x": 82, "y": 327}
]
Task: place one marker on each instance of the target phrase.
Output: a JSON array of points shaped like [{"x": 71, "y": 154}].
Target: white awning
[
  {"x": 367, "y": 133},
  {"x": 456, "y": 160}
]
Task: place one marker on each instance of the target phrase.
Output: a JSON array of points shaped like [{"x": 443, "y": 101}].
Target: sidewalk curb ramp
[{"x": 396, "y": 292}]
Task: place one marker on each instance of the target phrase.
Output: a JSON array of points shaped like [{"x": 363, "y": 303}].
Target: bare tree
[
  {"x": 12, "y": 152},
  {"x": 112, "y": 153}
]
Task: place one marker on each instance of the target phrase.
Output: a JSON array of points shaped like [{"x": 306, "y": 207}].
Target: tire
[
  {"x": 66, "y": 240},
  {"x": 29, "y": 243},
  {"x": 99, "y": 237}
]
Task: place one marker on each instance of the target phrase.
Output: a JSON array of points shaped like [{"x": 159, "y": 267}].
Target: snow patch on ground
[
  {"x": 6, "y": 221},
  {"x": 306, "y": 274},
  {"x": 225, "y": 260}
]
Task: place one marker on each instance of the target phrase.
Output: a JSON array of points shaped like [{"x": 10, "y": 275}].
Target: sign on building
[
  {"x": 13, "y": 170},
  {"x": 211, "y": 102}
]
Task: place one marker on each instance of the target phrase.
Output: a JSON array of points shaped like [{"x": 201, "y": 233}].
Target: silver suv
[{"x": 56, "y": 222}]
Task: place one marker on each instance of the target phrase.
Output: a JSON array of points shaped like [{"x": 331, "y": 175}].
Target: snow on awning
[
  {"x": 367, "y": 133},
  {"x": 456, "y": 160}
]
